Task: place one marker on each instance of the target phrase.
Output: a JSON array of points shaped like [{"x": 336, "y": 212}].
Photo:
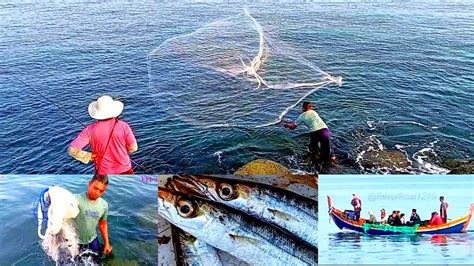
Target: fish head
[
  {"x": 197, "y": 186},
  {"x": 186, "y": 213},
  {"x": 215, "y": 189},
  {"x": 191, "y": 185}
]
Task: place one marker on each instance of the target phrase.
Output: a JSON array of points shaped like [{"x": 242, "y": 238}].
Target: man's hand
[
  {"x": 93, "y": 156},
  {"x": 107, "y": 249},
  {"x": 290, "y": 125}
]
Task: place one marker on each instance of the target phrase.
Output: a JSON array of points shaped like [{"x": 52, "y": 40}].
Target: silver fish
[
  {"x": 234, "y": 232},
  {"x": 191, "y": 251},
  {"x": 288, "y": 210}
]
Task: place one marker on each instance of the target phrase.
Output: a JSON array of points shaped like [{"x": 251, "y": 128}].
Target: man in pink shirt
[{"x": 112, "y": 140}]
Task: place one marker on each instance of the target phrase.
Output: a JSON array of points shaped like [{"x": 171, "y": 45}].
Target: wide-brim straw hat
[{"x": 105, "y": 107}]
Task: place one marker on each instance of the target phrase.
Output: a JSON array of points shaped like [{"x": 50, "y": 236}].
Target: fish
[
  {"x": 234, "y": 232},
  {"x": 288, "y": 210},
  {"x": 192, "y": 251}
]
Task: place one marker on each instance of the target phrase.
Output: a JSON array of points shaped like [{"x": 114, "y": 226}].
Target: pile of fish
[{"x": 256, "y": 223}]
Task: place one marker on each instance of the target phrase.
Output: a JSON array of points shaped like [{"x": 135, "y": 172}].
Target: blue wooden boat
[{"x": 342, "y": 221}]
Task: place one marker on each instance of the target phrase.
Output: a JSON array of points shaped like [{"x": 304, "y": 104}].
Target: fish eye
[
  {"x": 185, "y": 208},
  {"x": 226, "y": 192}
]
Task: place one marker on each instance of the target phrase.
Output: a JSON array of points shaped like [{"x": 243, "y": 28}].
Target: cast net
[{"x": 231, "y": 73}]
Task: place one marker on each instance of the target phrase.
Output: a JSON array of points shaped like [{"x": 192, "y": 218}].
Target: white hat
[
  {"x": 371, "y": 212},
  {"x": 105, "y": 108}
]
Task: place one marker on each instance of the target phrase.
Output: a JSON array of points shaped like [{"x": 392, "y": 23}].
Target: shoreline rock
[{"x": 457, "y": 166}]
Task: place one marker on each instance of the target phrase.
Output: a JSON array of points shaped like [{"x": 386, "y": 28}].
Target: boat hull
[{"x": 456, "y": 226}]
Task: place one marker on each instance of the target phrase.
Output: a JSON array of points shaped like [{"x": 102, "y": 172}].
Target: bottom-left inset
[{"x": 78, "y": 219}]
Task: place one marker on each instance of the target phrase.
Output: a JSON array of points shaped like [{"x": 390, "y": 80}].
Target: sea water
[{"x": 406, "y": 68}]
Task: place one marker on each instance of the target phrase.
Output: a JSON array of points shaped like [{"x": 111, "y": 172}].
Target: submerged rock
[
  {"x": 263, "y": 167},
  {"x": 385, "y": 159},
  {"x": 459, "y": 166}
]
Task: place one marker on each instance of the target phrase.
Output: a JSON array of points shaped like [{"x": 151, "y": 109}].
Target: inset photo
[
  {"x": 77, "y": 220},
  {"x": 238, "y": 220},
  {"x": 398, "y": 219}
]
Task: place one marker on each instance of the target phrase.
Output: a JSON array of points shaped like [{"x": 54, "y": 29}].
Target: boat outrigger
[{"x": 342, "y": 221}]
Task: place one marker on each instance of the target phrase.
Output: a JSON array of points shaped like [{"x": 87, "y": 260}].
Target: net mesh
[{"x": 231, "y": 73}]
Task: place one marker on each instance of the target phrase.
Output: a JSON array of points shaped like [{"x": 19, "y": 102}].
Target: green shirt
[
  {"x": 312, "y": 120},
  {"x": 90, "y": 212}
]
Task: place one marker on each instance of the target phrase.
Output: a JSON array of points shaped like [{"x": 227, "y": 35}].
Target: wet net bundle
[{"x": 231, "y": 73}]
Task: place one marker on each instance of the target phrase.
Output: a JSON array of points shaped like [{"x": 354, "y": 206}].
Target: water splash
[{"x": 62, "y": 247}]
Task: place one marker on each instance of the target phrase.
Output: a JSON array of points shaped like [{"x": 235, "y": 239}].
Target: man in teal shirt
[
  {"x": 93, "y": 210},
  {"x": 318, "y": 132}
]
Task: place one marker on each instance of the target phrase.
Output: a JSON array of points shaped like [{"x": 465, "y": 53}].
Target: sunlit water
[
  {"x": 407, "y": 80},
  {"x": 402, "y": 193},
  {"x": 132, "y": 218}
]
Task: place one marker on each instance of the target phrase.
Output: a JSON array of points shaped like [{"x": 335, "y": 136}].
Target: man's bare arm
[{"x": 104, "y": 231}]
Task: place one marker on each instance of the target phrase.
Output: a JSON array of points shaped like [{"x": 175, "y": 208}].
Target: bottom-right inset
[{"x": 396, "y": 219}]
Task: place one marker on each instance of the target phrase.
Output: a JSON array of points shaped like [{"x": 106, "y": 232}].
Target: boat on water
[{"x": 342, "y": 221}]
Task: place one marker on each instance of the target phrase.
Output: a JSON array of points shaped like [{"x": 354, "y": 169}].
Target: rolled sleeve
[{"x": 299, "y": 120}]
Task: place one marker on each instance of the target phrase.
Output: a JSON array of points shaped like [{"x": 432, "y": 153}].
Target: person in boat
[
  {"x": 443, "y": 209},
  {"x": 93, "y": 211},
  {"x": 435, "y": 219},
  {"x": 356, "y": 202},
  {"x": 320, "y": 136},
  {"x": 111, "y": 139},
  {"x": 414, "y": 218},
  {"x": 372, "y": 218},
  {"x": 394, "y": 219},
  {"x": 397, "y": 221},
  {"x": 391, "y": 219},
  {"x": 402, "y": 219},
  {"x": 383, "y": 216}
]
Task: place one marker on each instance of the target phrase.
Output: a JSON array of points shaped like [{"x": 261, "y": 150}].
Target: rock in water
[
  {"x": 385, "y": 159},
  {"x": 263, "y": 167},
  {"x": 459, "y": 166}
]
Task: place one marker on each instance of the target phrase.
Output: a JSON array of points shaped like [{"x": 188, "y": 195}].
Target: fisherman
[
  {"x": 397, "y": 219},
  {"x": 383, "y": 216},
  {"x": 357, "y": 203},
  {"x": 372, "y": 218},
  {"x": 318, "y": 131},
  {"x": 435, "y": 219},
  {"x": 93, "y": 211},
  {"x": 443, "y": 209},
  {"x": 414, "y": 218},
  {"x": 391, "y": 219},
  {"x": 402, "y": 219},
  {"x": 111, "y": 139}
]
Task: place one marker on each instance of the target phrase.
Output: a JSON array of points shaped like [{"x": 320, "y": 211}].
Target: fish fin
[
  {"x": 282, "y": 215},
  {"x": 239, "y": 238}
]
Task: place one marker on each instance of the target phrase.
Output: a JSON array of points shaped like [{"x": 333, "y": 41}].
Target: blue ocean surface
[
  {"x": 400, "y": 192},
  {"x": 406, "y": 68},
  {"x": 132, "y": 218}
]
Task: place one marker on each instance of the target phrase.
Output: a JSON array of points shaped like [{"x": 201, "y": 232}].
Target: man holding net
[
  {"x": 318, "y": 132},
  {"x": 93, "y": 211}
]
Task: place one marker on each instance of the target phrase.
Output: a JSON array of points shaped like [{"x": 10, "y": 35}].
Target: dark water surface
[{"x": 407, "y": 70}]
